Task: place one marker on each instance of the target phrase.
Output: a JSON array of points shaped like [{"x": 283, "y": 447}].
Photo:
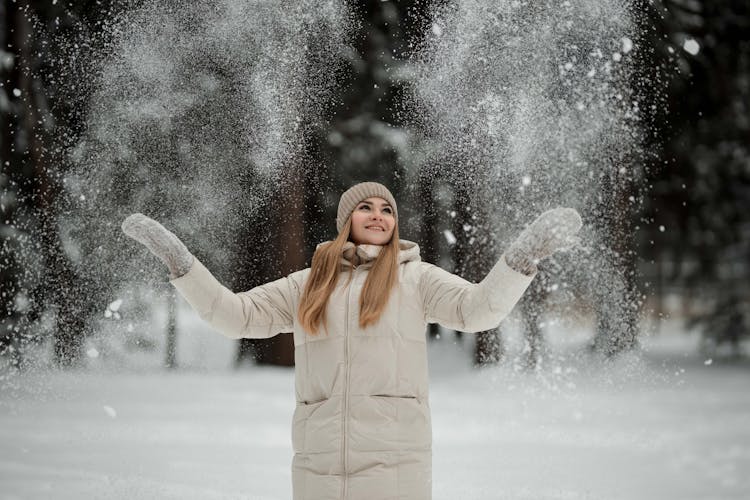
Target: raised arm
[
  {"x": 474, "y": 307},
  {"x": 471, "y": 307},
  {"x": 261, "y": 312}
]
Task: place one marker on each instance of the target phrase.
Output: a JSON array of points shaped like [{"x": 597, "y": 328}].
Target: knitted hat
[{"x": 357, "y": 193}]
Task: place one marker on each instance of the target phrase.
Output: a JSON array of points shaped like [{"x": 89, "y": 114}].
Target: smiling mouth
[{"x": 375, "y": 228}]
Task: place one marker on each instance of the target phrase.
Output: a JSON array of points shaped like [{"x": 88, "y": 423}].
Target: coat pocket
[
  {"x": 308, "y": 403},
  {"x": 304, "y": 413},
  {"x": 393, "y": 402}
]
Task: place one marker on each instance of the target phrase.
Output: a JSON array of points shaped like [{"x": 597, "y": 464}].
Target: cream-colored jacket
[{"x": 361, "y": 429}]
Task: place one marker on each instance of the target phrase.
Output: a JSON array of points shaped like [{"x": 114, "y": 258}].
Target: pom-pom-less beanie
[{"x": 359, "y": 192}]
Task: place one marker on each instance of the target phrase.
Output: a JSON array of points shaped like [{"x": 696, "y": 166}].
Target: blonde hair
[{"x": 324, "y": 274}]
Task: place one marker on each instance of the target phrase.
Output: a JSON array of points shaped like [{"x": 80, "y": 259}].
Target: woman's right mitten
[{"x": 161, "y": 242}]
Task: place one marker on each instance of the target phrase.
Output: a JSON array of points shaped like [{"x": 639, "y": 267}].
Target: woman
[{"x": 361, "y": 427}]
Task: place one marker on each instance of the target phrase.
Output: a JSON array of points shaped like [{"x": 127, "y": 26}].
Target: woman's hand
[
  {"x": 160, "y": 242},
  {"x": 554, "y": 230}
]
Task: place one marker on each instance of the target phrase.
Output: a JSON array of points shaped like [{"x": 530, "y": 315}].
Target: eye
[
  {"x": 388, "y": 210},
  {"x": 363, "y": 207}
]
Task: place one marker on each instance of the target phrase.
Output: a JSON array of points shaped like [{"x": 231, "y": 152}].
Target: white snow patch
[
  {"x": 627, "y": 45},
  {"x": 691, "y": 46},
  {"x": 449, "y": 237},
  {"x": 554, "y": 433}
]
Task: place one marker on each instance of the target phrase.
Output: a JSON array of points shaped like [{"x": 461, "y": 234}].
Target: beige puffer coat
[{"x": 361, "y": 429}]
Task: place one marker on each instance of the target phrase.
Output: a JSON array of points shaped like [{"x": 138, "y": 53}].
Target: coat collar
[{"x": 364, "y": 255}]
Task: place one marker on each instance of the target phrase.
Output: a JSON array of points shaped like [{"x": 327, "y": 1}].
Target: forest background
[{"x": 679, "y": 229}]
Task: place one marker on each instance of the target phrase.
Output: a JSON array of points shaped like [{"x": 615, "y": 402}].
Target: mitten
[
  {"x": 554, "y": 230},
  {"x": 160, "y": 242}
]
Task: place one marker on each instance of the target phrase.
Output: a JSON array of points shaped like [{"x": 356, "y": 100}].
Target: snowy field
[{"x": 668, "y": 425}]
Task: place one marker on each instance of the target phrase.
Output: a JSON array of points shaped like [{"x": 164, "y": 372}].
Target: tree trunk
[
  {"x": 61, "y": 280},
  {"x": 285, "y": 254},
  {"x": 531, "y": 309},
  {"x": 472, "y": 262},
  {"x": 10, "y": 271},
  {"x": 429, "y": 234},
  {"x": 171, "y": 350},
  {"x": 616, "y": 301},
  {"x": 291, "y": 242}
]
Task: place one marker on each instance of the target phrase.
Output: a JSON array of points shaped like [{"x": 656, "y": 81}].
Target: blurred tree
[
  {"x": 279, "y": 248},
  {"x": 362, "y": 141},
  {"x": 359, "y": 140},
  {"x": 531, "y": 312},
  {"x": 614, "y": 295},
  {"x": 473, "y": 253},
  {"x": 15, "y": 288},
  {"x": 697, "y": 217},
  {"x": 53, "y": 243},
  {"x": 429, "y": 234},
  {"x": 35, "y": 112}
]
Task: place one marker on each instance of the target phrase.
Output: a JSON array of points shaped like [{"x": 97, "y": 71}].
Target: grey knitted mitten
[
  {"x": 160, "y": 242},
  {"x": 554, "y": 230}
]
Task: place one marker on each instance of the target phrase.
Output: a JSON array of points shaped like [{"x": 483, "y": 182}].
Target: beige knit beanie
[{"x": 359, "y": 192}]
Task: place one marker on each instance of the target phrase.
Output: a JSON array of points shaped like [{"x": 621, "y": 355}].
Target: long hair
[{"x": 324, "y": 274}]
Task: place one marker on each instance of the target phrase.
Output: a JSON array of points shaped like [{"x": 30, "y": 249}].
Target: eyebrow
[{"x": 384, "y": 204}]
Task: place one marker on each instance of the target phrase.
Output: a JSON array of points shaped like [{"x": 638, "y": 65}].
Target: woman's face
[{"x": 372, "y": 222}]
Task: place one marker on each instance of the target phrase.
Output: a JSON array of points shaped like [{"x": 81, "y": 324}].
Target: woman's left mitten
[{"x": 554, "y": 230}]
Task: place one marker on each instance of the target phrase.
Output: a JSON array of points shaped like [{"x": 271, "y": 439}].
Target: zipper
[{"x": 345, "y": 422}]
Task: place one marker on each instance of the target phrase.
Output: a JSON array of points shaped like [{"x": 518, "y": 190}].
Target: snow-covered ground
[{"x": 668, "y": 425}]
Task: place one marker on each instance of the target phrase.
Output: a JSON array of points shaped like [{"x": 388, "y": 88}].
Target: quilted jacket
[{"x": 361, "y": 428}]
